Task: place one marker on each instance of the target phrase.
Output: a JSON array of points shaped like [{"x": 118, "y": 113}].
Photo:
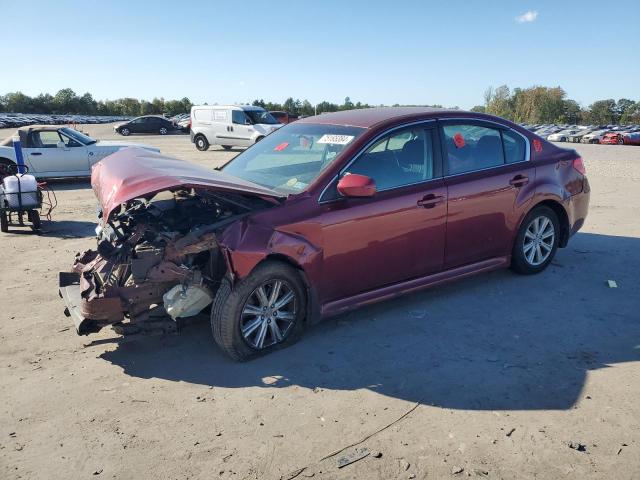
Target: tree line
[
  {"x": 67, "y": 102},
  {"x": 551, "y": 105},
  {"x": 523, "y": 105}
]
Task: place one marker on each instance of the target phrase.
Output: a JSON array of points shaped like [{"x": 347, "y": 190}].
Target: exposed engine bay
[{"x": 155, "y": 254}]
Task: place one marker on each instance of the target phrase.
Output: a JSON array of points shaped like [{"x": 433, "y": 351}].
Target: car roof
[{"x": 369, "y": 117}]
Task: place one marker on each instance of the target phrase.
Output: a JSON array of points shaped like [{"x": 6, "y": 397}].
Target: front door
[
  {"x": 49, "y": 153},
  {"x": 242, "y": 129},
  {"x": 490, "y": 181},
  {"x": 397, "y": 234}
]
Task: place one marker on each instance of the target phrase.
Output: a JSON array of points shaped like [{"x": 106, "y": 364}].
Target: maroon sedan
[{"x": 324, "y": 215}]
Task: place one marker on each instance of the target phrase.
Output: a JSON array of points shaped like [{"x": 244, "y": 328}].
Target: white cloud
[{"x": 527, "y": 17}]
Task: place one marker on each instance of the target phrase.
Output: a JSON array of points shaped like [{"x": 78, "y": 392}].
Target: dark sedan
[
  {"x": 146, "y": 124},
  {"x": 324, "y": 215}
]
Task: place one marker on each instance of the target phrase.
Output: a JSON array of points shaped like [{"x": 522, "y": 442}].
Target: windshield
[
  {"x": 78, "y": 136},
  {"x": 261, "y": 116},
  {"x": 292, "y": 157}
]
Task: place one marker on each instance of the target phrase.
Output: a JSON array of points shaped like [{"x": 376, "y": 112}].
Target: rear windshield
[{"x": 290, "y": 158}]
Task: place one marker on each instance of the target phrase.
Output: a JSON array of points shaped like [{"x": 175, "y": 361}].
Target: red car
[
  {"x": 324, "y": 215},
  {"x": 612, "y": 139}
]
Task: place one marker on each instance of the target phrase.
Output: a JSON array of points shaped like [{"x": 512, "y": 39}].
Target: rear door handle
[
  {"x": 430, "y": 201},
  {"x": 519, "y": 181},
  {"x": 36, "y": 153}
]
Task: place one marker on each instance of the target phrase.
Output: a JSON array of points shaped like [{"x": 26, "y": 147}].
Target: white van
[{"x": 230, "y": 125}]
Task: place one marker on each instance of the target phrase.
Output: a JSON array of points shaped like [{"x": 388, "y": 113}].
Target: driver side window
[
  {"x": 401, "y": 158},
  {"x": 238, "y": 117},
  {"x": 45, "y": 139},
  {"x": 69, "y": 142}
]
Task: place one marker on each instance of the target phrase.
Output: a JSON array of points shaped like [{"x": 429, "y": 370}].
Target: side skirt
[{"x": 409, "y": 286}]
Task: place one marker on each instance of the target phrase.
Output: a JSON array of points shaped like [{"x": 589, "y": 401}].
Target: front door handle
[
  {"x": 519, "y": 181},
  {"x": 430, "y": 201},
  {"x": 36, "y": 153}
]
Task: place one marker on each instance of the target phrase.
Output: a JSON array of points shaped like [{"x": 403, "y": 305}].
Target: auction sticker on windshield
[{"x": 335, "y": 139}]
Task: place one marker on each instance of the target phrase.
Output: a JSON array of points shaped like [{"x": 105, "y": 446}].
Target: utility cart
[{"x": 20, "y": 199}]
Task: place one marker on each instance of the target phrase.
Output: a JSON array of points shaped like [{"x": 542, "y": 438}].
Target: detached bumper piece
[{"x": 69, "y": 289}]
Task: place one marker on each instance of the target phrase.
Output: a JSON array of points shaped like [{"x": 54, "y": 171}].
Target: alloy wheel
[
  {"x": 269, "y": 314},
  {"x": 539, "y": 239}
]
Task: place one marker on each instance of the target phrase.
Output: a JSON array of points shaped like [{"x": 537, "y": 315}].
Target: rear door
[{"x": 490, "y": 182}]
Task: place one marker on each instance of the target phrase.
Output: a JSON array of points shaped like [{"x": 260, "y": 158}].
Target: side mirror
[
  {"x": 355, "y": 185},
  {"x": 61, "y": 145},
  {"x": 247, "y": 121}
]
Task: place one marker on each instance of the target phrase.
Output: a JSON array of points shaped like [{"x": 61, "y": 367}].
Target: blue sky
[{"x": 409, "y": 52}]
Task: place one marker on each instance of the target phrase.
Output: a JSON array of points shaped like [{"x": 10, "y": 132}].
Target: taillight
[{"x": 578, "y": 164}]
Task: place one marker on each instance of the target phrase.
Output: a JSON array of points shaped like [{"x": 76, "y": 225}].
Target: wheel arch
[
  {"x": 561, "y": 213},
  {"x": 313, "y": 306}
]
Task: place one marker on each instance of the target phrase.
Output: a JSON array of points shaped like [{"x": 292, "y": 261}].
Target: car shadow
[
  {"x": 495, "y": 341},
  {"x": 64, "y": 184}
]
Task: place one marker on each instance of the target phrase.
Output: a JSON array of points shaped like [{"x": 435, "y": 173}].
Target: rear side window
[
  {"x": 515, "y": 148},
  {"x": 472, "y": 147}
]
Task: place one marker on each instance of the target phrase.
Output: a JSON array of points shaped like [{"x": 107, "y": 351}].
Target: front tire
[
  {"x": 125, "y": 132},
  {"x": 621, "y": 141},
  {"x": 201, "y": 143},
  {"x": 260, "y": 314},
  {"x": 537, "y": 241},
  {"x": 4, "y": 222}
]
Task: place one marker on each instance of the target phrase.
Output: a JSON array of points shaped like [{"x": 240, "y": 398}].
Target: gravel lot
[{"x": 497, "y": 376}]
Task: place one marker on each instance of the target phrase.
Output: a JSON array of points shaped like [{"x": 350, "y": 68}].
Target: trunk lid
[{"x": 134, "y": 172}]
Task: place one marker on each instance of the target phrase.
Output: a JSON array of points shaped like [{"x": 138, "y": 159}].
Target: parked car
[
  {"x": 52, "y": 151},
  {"x": 145, "y": 124},
  {"x": 323, "y": 215},
  {"x": 230, "y": 125},
  {"x": 284, "y": 117},
  {"x": 612, "y": 138},
  {"x": 577, "y": 137},
  {"x": 562, "y": 135},
  {"x": 631, "y": 138},
  {"x": 594, "y": 137}
]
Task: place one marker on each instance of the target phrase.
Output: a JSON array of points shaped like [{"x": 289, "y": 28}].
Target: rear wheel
[
  {"x": 163, "y": 130},
  {"x": 227, "y": 147},
  {"x": 125, "y": 132},
  {"x": 201, "y": 143},
  {"x": 537, "y": 241},
  {"x": 261, "y": 313},
  {"x": 34, "y": 218},
  {"x": 620, "y": 141}
]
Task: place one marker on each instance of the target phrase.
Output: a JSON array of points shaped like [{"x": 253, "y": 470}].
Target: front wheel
[
  {"x": 261, "y": 313},
  {"x": 536, "y": 242},
  {"x": 201, "y": 143},
  {"x": 4, "y": 222},
  {"x": 125, "y": 132},
  {"x": 621, "y": 141}
]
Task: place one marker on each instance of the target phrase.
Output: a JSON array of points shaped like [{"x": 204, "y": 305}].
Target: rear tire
[
  {"x": 163, "y": 131},
  {"x": 34, "y": 218},
  {"x": 537, "y": 241},
  {"x": 227, "y": 147},
  {"x": 621, "y": 141},
  {"x": 201, "y": 143},
  {"x": 232, "y": 320}
]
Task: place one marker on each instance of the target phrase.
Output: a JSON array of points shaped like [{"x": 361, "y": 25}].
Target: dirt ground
[{"x": 498, "y": 376}]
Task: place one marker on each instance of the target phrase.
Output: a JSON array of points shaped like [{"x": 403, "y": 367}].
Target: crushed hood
[{"x": 134, "y": 172}]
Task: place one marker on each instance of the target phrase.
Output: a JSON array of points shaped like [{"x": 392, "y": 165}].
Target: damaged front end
[{"x": 157, "y": 254}]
